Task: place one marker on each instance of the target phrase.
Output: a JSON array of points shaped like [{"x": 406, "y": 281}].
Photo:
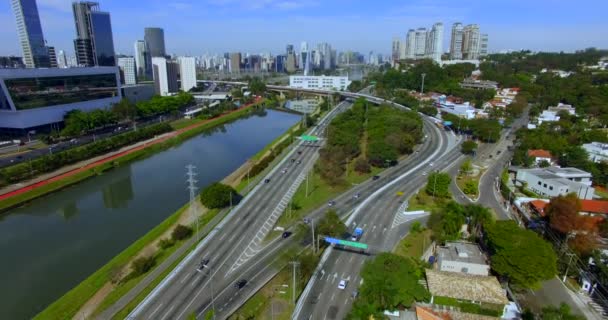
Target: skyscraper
[
  {"x": 127, "y": 70},
  {"x": 155, "y": 39},
  {"x": 187, "y": 72},
  {"x": 52, "y": 57},
  {"x": 434, "y": 43},
  {"x": 35, "y": 53},
  {"x": 483, "y": 45},
  {"x": 165, "y": 76},
  {"x": 396, "y": 49},
  {"x": 235, "y": 62},
  {"x": 62, "y": 61},
  {"x": 94, "y": 43},
  {"x": 410, "y": 44},
  {"x": 420, "y": 48},
  {"x": 456, "y": 41},
  {"x": 324, "y": 53},
  {"x": 471, "y": 42},
  {"x": 143, "y": 59}
]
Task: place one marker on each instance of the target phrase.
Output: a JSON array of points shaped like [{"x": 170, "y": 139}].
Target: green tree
[
  {"x": 181, "y": 232},
  {"x": 446, "y": 221},
  {"x": 468, "y": 147},
  {"x": 124, "y": 110},
  {"x": 142, "y": 265},
  {"x": 520, "y": 255},
  {"x": 257, "y": 86},
  {"x": 331, "y": 225},
  {"x": 470, "y": 187},
  {"x": 218, "y": 195},
  {"x": 466, "y": 167},
  {"x": 390, "y": 281},
  {"x": 438, "y": 185},
  {"x": 562, "y": 312}
]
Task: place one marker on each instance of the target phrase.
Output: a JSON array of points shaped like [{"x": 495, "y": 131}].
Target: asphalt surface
[
  {"x": 233, "y": 244},
  {"x": 384, "y": 223}
]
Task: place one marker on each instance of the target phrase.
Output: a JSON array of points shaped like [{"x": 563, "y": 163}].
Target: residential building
[
  {"x": 319, "y": 82},
  {"x": 540, "y": 156},
  {"x": 456, "y": 41},
  {"x": 597, "y": 151},
  {"x": 31, "y": 98},
  {"x": 52, "y": 57},
  {"x": 471, "y": 42},
  {"x": 547, "y": 116},
  {"x": 396, "y": 49},
  {"x": 324, "y": 50},
  {"x": 155, "y": 40},
  {"x": 594, "y": 208},
  {"x": 128, "y": 73},
  {"x": 11, "y": 62},
  {"x": 187, "y": 73},
  {"x": 468, "y": 287},
  {"x": 478, "y": 84},
  {"x": 290, "y": 63},
  {"x": 94, "y": 43},
  {"x": 552, "y": 182},
  {"x": 165, "y": 76},
  {"x": 434, "y": 42},
  {"x": 143, "y": 59},
  {"x": 235, "y": 62},
  {"x": 420, "y": 48},
  {"x": 563, "y": 107},
  {"x": 483, "y": 45},
  {"x": 462, "y": 110},
  {"x": 410, "y": 44},
  {"x": 62, "y": 60},
  {"x": 462, "y": 257},
  {"x": 35, "y": 52}
]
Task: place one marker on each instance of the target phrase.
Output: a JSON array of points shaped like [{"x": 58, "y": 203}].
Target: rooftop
[
  {"x": 462, "y": 252},
  {"x": 539, "y": 153},
  {"x": 591, "y": 206},
  {"x": 465, "y": 287}
]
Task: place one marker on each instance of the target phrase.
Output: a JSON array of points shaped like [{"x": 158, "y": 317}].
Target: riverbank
[
  {"x": 18, "y": 194},
  {"x": 97, "y": 292}
]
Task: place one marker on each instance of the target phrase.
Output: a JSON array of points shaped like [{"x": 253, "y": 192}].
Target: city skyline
[{"x": 523, "y": 24}]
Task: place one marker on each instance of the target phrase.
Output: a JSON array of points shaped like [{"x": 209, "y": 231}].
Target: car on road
[
  {"x": 202, "y": 265},
  {"x": 286, "y": 234},
  {"x": 284, "y": 171},
  {"x": 240, "y": 284},
  {"x": 431, "y": 164},
  {"x": 355, "y": 294},
  {"x": 293, "y": 160},
  {"x": 357, "y": 195},
  {"x": 266, "y": 180},
  {"x": 376, "y": 178},
  {"x": 342, "y": 284},
  {"x": 424, "y": 173},
  {"x": 298, "y": 162},
  {"x": 299, "y": 152},
  {"x": 331, "y": 203}
]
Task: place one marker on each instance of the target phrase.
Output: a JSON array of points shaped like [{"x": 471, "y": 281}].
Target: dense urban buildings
[
  {"x": 94, "y": 43},
  {"x": 128, "y": 74},
  {"x": 155, "y": 39},
  {"x": 31, "y": 98},
  {"x": 235, "y": 62},
  {"x": 35, "y": 52},
  {"x": 143, "y": 59}
]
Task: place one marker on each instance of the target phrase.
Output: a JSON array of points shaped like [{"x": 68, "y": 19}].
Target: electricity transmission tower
[{"x": 192, "y": 188}]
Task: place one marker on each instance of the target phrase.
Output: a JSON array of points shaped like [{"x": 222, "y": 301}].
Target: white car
[
  {"x": 432, "y": 164},
  {"x": 342, "y": 285}
]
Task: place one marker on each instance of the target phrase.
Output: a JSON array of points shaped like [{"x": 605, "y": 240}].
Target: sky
[{"x": 196, "y": 27}]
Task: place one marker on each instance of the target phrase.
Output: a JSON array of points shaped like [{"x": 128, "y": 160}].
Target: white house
[
  {"x": 597, "y": 151},
  {"x": 462, "y": 257},
  {"x": 463, "y": 110},
  {"x": 552, "y": 182}
]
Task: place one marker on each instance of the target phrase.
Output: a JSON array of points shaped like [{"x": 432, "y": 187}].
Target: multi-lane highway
[
  {"x": 381, "y": 216},
  {"x": 236, "y": 241}
]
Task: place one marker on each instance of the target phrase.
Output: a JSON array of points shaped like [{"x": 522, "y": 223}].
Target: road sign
[
  {"x": 353, "y": 244},
  {"x": 309, "y": 138}
]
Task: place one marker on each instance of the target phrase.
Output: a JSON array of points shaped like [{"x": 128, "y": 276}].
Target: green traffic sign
[
  {"x": 353, "y": 244},
  {"x": 309, "y": 138}
]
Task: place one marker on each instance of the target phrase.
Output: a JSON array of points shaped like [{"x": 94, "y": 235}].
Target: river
[{"x": 53, "y": 243}]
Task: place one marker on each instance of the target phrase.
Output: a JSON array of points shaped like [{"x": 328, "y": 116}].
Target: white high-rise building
[
  {"x": 127, "y": 70},
  {"x": 62, "y": 61},
  {"x": 434, "y": 43},
  {"x": 410, "y": 44},
  {"x": 471, "y": 42},
  {"x": 187, "y": 72},
  {"x": 456, "y": 41},
  {"x": 165, "y": 76},
  {"x": 483, "y": 45},
  {"x": 395, "y": 49},
  {"x": 305, "y": 63},
  {"x": 420, "y": 48}
]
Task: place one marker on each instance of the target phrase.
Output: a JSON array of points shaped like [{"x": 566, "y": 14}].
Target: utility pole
[
  {"x": 568, "y": 267},
  {"x": 192, "y": 187},
  {"x": 307, "y": 174},
  {"x": 422, "y": 87},
  {"x": 314, "y": 249},
  {"x": 434, "y": 184},
  {"x": 295, "y": 265}
]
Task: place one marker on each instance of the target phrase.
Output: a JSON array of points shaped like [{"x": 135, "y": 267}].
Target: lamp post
[
  {"x": 212, "y": 292},
  {"x": 422, "y": 87}
]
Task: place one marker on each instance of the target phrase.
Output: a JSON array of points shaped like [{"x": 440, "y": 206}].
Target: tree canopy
[
  {"x": 564, "y": 217},
  {"x": 331, "y": 225},
  {"x": 438, "y": 185},
  {"x": 218, "y": 195},
  {"x": 389, "y": 281},
  {"x": 520, "y": 255},
  {"x": 257, "y": 86},
  {"x": 468, "y": 147}
]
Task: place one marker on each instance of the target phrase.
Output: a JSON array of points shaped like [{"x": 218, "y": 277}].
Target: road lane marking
[
  {"x": 351, "y": 259},
  {"x": 153, "y": 312},
  {"x": 232, "y": 238},
  {"x": 167, "y": 314},
  {"x": 223, "y": 236},
  {"x": 185, "y": 278},
  {"x": 333, "y": 296}
]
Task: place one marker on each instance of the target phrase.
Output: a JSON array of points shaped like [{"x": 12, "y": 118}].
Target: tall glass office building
[
  {"x": 155, "y": 39},
  {"x": 35, "y": 53},
  {"x": 94, "y": 44}
]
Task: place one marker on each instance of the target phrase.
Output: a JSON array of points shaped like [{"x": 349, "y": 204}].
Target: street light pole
[
  {"x": 568, "y": 267},
  {"x": 422, "y": 87}
]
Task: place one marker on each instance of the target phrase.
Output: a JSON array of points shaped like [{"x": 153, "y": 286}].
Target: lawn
[
  {"x": 468, "y": 184},
  {"x": 423, "y": 201},
  {"x": 414, "y": 244}
]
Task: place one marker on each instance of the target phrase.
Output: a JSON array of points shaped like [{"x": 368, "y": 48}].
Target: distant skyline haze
[{"x": 255, "y": 26}]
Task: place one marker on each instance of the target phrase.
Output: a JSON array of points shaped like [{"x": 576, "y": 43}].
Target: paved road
[
  {"x": 233, "y": 244},
  {"x": 384, "y": 225}
]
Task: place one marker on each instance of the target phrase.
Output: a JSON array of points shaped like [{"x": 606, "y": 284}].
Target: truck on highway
[{"x": 357, "y": 234}]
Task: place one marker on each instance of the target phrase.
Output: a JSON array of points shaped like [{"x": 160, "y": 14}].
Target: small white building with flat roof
[
  {"x": 462, "y": 257},
  {"x": 597, "y": 151},
  {"x": 553, "y": 181}
]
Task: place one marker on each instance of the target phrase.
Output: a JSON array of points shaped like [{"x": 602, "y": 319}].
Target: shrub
[
  {"x": 218, "y": 195},
  {"x": 166, "y": 243},
  {"x": 142, "y": 265},
  {"x": 181, "y": 232},
  {"x": 362, "y": 166}
]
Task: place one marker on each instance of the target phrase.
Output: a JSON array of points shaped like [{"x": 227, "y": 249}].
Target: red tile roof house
[
  {"x": 594, "y": 208},
  {"x": 540, "y": 155}
]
